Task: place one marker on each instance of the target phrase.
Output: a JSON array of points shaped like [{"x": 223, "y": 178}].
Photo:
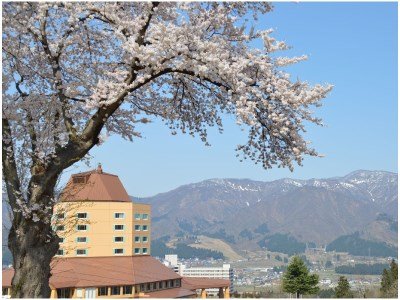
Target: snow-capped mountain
[{"x": 315, "y": 210}]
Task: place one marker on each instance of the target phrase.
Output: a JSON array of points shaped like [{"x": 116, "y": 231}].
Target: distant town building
[
  {"x": 105, "y": 247},
  {"x": 224, "y": 272}
]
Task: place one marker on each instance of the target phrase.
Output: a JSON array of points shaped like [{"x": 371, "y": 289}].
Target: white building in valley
[{"x": 224, "y": 272}]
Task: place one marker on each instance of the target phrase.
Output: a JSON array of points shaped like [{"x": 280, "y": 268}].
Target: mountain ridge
[{"x": 324, "y": 208}]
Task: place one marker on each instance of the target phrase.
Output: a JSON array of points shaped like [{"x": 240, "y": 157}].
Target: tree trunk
[
  {"x": 32, "y": 250},
  {"x": 32, "y": 245},
  {"x": 297, "y": 295}
]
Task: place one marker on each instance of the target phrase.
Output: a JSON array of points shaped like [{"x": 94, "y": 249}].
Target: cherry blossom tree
[{"x": 73, "y": 72}]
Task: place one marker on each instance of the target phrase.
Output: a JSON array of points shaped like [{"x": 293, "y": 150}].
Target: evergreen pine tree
[
  {"x": 297, "y": 279},
  {"x": 389, "y": 281},
  {"x": 343, "y": 288}
]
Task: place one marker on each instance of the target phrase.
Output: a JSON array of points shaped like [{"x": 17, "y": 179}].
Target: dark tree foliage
[
  {"x": 283, "y": 243},
  {"x": 297, "y": 279},
  {"x": 389, "y": 281},
  {"x": 328, "y": 264},
  {"x": 262, "y": 229},
  {"x": 343, "y": 288},
  {"x": 361, "y": 269},
  {"x": 355, "y": 245},
  {"x": 246, "y": 234},
  {"x": 326, "y": 293}
]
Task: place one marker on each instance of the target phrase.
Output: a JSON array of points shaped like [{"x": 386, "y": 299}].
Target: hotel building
[
  {"x": 105, "y": 247},
  {"x": 96, "y": 217}
]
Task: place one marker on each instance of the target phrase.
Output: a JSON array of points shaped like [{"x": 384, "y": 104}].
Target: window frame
[
  {"x": 86, "y": 227},
  {"x": 145, "y": 250},
  {"x": 145, "y": 218},
  {"x": 123, "y": 227},
  {"x": 100, "y": 288},
  {"x": 85, "y": 213},
  {"x": 84, "y": 237},
  {"x": 124, "y": 287},
  {"x": 138, "y": 226},
  {"x": 134, "y": 251},
  {"x": 122, "y": 237},
  {"x": 85, "y": 254},
  {"x": 119, "y": 213},
  {"x": 122, "y": 253},
  {"x": 138, "y": 237},
  {"x": 112, "y": 289}
]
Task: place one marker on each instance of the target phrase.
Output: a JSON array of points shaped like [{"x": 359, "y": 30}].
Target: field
[{"x": 217, "y": 245}]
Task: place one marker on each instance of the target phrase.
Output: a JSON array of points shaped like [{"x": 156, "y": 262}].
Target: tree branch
[{"x": 10, "y": 173}]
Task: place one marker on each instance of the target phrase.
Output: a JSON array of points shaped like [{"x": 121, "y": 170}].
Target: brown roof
[
  {"x": 94, "y": 185},
  {"x": 7, "y": 276},
  {"x": 170, "y": 293},
  {"x": 103, "y": 271},
  {"x": 193, "y": 283}
]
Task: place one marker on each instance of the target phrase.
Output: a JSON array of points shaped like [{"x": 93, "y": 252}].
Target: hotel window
[
  {"x": 144, "y": 227},
  {"x": 118, "y": 227},
  {"x": 137, "y": 239},
  {"x": 61, "y": 240},
  {"x": 127, "y": 290},
  {"x": 64, "y": 293},
  {"x": 145, "y": 216},
  {"x": 145, "y": 239},
  {"x": 115, "y": 290},
  {"x": 102, "y": 291},
  {"x": 81, "y": 239},
  {"x": 60, "y": 252},
  {"x": 81, "y": 227},
  {"x": 82, "y": 215},
  {"x": 119, "y": 251},
  {"x": 119, "y": 215},
  {"x": 61, "y": 216},
  {"x": 81, "y": 251},
  {"x": 144, "y": 250},
  {"x": 137, "y": 227},
  {"x": 118, "y": 239},
  {"x": 137, "y": 251},
  {"x": 60, "y": 228},
  {"x": 177, "y": 283},
  {"x": 137, "y": 216}
]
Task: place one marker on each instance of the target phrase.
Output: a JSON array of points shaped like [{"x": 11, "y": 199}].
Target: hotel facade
[{"x": 105, "y": 247}]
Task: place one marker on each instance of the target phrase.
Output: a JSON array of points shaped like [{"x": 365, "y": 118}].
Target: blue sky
[{"x": 350, "y": 45}]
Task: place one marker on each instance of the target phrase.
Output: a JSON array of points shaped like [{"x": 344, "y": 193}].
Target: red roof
[
  {"x": 194, "y": 283},
  {"x": 103, "y": 271},
  {"x": 170, "y": 293},
  {"x": 95, "y": 186}
]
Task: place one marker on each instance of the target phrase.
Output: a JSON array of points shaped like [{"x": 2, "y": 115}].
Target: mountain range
[
  {"x": 286, "y": 214},
  {"x": 244, "y": 212}
]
